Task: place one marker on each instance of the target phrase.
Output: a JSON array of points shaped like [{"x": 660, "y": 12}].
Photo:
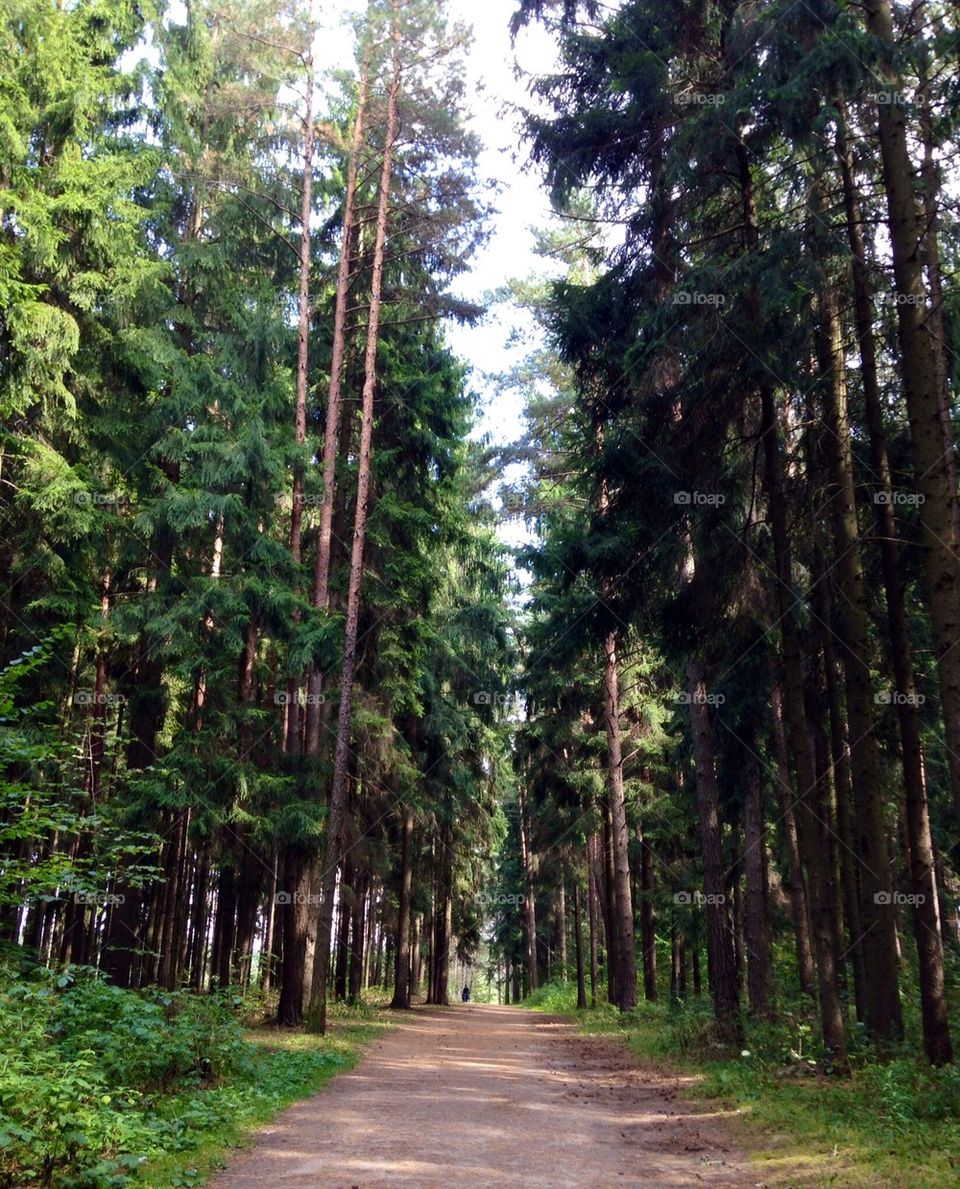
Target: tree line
[
  {"x": 250, "y": 579},
  {"x": 740, "y": 661}
]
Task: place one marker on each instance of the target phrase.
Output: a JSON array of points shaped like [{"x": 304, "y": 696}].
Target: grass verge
[
  {"x": 890, "y": 1125},
  {"x": 285, "y": 1068}
]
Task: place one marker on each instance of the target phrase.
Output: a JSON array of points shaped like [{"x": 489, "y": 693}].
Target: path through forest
[{"x": 478, "y": 1095}]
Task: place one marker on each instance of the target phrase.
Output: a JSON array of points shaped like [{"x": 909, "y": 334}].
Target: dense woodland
[{"x": 280, "y": 712}]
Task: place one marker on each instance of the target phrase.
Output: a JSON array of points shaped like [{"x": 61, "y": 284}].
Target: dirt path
[{"x": 475, "y": 1095}]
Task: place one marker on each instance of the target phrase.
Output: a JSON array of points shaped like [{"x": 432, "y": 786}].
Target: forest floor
[{"x": 484, "y": 1095}]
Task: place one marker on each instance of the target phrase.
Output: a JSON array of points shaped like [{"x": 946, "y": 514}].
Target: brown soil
[{"x": 477, "y": 1095}]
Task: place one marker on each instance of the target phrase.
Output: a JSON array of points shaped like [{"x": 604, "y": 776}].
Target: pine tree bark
[
  {"x": 648, "y": 924},
  {"x": 339, "y": 783},
  {"x": 529, "y": 904},
  {"x": 578, "y": 941},
  {"x": 882, "y": 1013},
  {"x": 923, "y": 882},
  {"x": 822, "y": 912},
  {"x": 720, "y": 954},
  {"x": 321, "y": 571},
  {"x": 626, "y": 982},
  {"x": 921, "y": 379},
  {"x": 401, "y": 986},
  {"x": 757, "y": 926}
]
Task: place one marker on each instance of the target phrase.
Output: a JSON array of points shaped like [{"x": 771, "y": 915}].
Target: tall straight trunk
[
  {"x": 293, "y": 724},
  {"x": 198, "y": 919},
  {"x": 225, "y": 924},
  {"x": 882, "y": 1013},
  {"x": 676, "y": 971},
  {"x": 798, "y": 893},
  {"x": 173, "y": 897},
  {"x": 578, "y": 943},
  {"x": 321, "y": 571},
  {"x": 609, "y": 916},
  {"x": 529, "y": 904},
  {"x": 294, "y": 908},
  {"x": 413, "y": 986},
  {"x": 358, "y": 920},
  {"x": 401, "y": 987},
  {"x": 837, "y": 772},
  {"x": 923, "y": 882},
  {"x": 343, "y": 929},
  {"x": 622, "y": 899},
  {"x": 648, "y": 923},
  {"x": 592, "y": 900},
  {"x": 339, "y": 784},
  {"x": 795, "y": 719},
  {"x": 248, "y": 896},
  {"x": 269, "y": 925},
  {"x": 560, "y": 930},
  {"x": 931, "y": 186},
  {"x": 922, "y": 384},
  {"x": 442, "y": 922},
  {"x": 294, "y": 893},
  {"x": 757, "y": 925},
  {"x": 720, "y": 953}
]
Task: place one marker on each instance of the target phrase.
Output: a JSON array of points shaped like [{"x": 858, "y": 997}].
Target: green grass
[
  {"x": 104, "y": 1088},
  {"x": 890, "y": 1125},
  {"x": 287, "y": 1066}
]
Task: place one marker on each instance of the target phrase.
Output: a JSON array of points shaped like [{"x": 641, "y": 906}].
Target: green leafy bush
[
  {"x": 94, "y": 1080},
  {"x": 152, "y": 1041}
]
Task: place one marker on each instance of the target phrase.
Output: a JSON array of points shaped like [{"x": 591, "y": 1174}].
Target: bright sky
[
  {"x": 496, "y": 85},
  {"x": 522, "y": 203},
  {"x": 494, "y": 89}
]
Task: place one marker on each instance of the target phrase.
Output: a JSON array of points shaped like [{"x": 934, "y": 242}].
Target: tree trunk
[
  {"x": 321, "y": 571},
  {"x": 923, "y": 882},
  {"x": 401, "y": 988},
  {"x": 720, "y": 954},
  {"x": 882, "y": 1015},
  {"x": 824, "y": 920},
  {"x": 797, "y": 890},
  {"x": 757, "y": 919},
  {"x": 592, "y": 899},
  {"x": 578, "y": 941},
  {"x": 529, "y": 907},
  {"x": 648, "y": 924},
  {"x": 921, "y": 379},
  {"x": 622, "y": 898},
  {"x": 339, "y": 784}
]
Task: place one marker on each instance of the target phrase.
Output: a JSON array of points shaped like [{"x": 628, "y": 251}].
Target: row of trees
[
  {"x": 250, "y": 586},
  {"x": 741, "y": 662}
]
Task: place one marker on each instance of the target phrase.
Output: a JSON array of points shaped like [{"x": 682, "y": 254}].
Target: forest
[{"x": 318, "y": 700}]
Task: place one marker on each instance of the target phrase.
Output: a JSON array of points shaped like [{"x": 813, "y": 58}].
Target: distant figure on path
[{"x": 465, "y": 995}]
